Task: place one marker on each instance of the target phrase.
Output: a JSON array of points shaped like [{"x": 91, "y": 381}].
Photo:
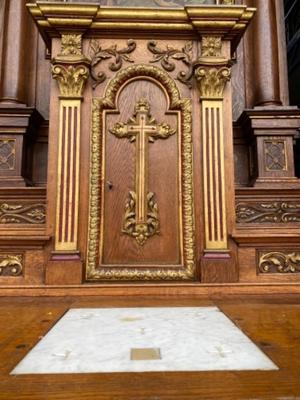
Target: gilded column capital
[
  {"x": 211, "y": 81},
  {"x": 71, "y": 68},
  {"x": 212, "y": 70}
]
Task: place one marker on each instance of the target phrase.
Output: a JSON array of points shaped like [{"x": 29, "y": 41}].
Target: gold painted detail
[
  {"x": 71, "y": 79},
  {"x": 211, "y": 46},
  {"x": 211, "y": 81},
  {"x": 275, "y": 155},
  {"x": 183, "y": 106},
  {"x": 71, "y": 68},
  {"x": 164, "y": 56},
  {"x": 141, "y": 231},
  {"x": 141, "y": 211},
  {"x": 22, "y": 213},
  {"x": 274, "y": 212},
  {"x": 71, "y": 45},
  {"x": 279, "y": 261},
  {"x": 99, "y": 54},
  {"x": 7, "y": 154},
  {"x": 11, "y": 264}
]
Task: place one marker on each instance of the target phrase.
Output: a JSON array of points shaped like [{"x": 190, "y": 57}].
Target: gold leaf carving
[
  {"x": 270, "y": 212},
  {"x": 11, "y": 264},
  {"x": 211, "y": 46},
  {"x": 211, "y": 81},
  {"x": 94, "y": 272},
  {"x": 99, "y": 54},
  {"x": 71, "y": 45},
  {"x": 279, "y": 261},
  {"x": 71, "y": 79},
  {"x": 22, "y": 213}
]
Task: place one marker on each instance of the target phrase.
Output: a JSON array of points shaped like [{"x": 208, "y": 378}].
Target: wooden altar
[{"x": 169, "y": 137}]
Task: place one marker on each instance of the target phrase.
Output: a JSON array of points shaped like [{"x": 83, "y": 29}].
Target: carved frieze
[
  {"x": 11, "y": 264},
  {"x": 7, "y": 154},
  {"x": 22, "y": 213},
  {"x": 270, "y": 212},
  {"x": 279, "y": 262},
  {"x": 98, "y": 54}
]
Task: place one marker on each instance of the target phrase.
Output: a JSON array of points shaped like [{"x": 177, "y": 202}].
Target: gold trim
[
  {"x": 141, "y": 212},
  {"x": 279, "y": 261},
  {"x": 11, "y": 264},
  {"x": 183, "y": 106},
  {"x": 229, "y": 21}
]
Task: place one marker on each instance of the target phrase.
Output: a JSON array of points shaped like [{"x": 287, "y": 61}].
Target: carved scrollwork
[
  {"x": 11, "y": 264},
  {"x": 165, "y": 56},
  {"x": 22, "y": 213},
  {"x": 278, "y": 261},
  {"x": 141, "y": 231},
  {"x": 275, "y": 212},
  {"x": 99, "y": 54}
]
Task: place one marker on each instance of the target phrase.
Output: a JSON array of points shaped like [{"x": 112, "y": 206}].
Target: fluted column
[
  {"x": 212, "y": 74},
  {"x": 71, "y": 70}
]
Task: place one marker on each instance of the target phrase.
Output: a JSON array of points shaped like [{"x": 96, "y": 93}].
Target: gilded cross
[{"x": 141, "y": 211}]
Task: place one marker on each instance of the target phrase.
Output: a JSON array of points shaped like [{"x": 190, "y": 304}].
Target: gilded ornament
[
  {"x": 268, "y": 212},
  {"x": 141, "y": 211},
  {"x": 71, "y": 45},
  {"x": 98, "y": 54},
  {"x": 11, "y": 264},
  {"x": 279, "y": 261},
  {"x": 165, "y": 56},
  {"x": 22, "y": 213},
  {"x": 94, "y": 271},
  {"x": 71, "y": 79},
  {"x": 211, "y": 46},
  {"x": 211, "y": 81}
]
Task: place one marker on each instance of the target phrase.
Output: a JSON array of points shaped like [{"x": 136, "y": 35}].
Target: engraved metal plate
[{"x": 150, "y": 353}]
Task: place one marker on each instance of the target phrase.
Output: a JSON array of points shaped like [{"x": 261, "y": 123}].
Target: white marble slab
[{"x": 101, "y": 339}]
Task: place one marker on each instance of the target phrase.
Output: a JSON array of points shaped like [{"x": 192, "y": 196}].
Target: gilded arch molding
[{"x": 109, "y": 102}]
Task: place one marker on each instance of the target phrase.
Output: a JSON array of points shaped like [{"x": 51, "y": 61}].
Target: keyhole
[{"x": 109, "y": 185}]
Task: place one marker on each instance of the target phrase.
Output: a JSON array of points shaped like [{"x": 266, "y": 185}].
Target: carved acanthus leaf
[
  {"x": 11, "y": 264},
  {"x": 71, "y": 79},
  {"x": 98, "y": 54},
  {"x": 279, "y": 261},
  {"x": 22, "y": 213},
  {"x": 270, "y": 212},
  {"x": 212, "y": 80},
  {"x": 164, "y": 56}
]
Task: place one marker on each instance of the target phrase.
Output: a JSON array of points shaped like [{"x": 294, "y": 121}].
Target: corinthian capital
[
  {"x": 211, "y": 81},
  {"x": 71, "y": 68}
]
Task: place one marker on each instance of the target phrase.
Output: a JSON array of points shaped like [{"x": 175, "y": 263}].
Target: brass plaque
[{"x": 150, "y": 353}]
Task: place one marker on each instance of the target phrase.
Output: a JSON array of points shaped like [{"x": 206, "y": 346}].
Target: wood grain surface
[{"x": 272, "y": 322}]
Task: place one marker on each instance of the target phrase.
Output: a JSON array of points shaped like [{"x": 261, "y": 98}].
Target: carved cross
[{"x": 141, "y": 211}]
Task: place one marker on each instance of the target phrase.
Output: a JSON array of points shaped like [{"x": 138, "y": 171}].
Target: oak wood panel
[{"x": 273, "y": 323}]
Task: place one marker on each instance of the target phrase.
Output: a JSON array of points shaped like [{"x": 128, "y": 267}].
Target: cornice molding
[{"x": 228, "y": 21}]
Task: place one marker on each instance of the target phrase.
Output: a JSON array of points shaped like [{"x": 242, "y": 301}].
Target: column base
[
  {"x": 218, "y": 267},
  {"x": 64, "y": 268}
]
